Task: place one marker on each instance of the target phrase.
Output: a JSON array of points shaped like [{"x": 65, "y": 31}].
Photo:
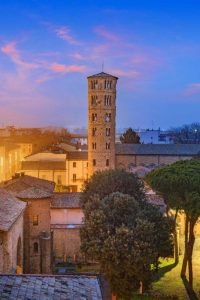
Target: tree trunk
[
  {"x": 185, "y": 258},
  {"x": 191, "y": 241},
  {"x": 141, "y": 288},
  {"x": 176, "y": 247}
]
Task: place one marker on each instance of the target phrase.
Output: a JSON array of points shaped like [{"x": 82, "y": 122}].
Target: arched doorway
[{"x": 19, "y": 256}]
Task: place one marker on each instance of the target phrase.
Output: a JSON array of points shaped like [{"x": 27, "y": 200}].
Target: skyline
[{"x": 48, "y": 49}]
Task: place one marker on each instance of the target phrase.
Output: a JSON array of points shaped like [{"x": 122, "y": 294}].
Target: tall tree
[
  {"x": 106, "y": 182},
  {"x": 179, "y": 183},
  {"x": 186, "y": 134},
  {"x": 130, "y": 137},
  {"x": 126, "y": 237}
]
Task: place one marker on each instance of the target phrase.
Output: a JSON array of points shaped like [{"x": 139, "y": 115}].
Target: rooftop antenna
[{"x": 102, "y": 66}]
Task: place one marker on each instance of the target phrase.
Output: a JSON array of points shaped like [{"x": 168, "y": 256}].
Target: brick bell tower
[{"x": 101, "y": 122}]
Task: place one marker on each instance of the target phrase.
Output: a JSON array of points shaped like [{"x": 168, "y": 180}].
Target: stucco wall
[
  {"x": 66, "y": 216},
  {"x": 66, "y": 243}
]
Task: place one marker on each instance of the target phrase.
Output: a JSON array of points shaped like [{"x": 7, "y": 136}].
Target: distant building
[{"x": 68, "y": 171}]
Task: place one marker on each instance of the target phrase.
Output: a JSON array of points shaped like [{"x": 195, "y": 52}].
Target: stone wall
[
  {"x": 11, "y": 248},
  {"x": 125, "y": 161}
]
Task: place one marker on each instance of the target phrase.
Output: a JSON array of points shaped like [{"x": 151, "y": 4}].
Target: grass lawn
[{"x": 169, "y": 281}]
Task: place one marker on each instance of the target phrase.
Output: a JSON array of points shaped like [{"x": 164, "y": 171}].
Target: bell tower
[{"x": 101, "y": 122}]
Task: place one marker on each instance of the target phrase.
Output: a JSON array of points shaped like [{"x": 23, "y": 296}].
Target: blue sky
[{"x": 49, "y": 47}]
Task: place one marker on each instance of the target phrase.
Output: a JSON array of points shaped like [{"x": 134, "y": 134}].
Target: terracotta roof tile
[
  {"x": 65, "y": 200},
  {"x": 102, "y": 74},
  {"x": 34, "y": 193},
  {"x": 23, "y": 182},
  {"x": 10, "y": 209}
]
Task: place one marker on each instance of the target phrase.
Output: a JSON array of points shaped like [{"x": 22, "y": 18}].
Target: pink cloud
[
  {"x": 102, "y": 31},
  {"x": 16, "y": 56},
  {"x": 126, "y": 73},
  {"x": 60, "y": 68},
  {"x": 77, "y": 56},
  {"x": 192, "y": 89},
  {"x": 64, "y": 33}
]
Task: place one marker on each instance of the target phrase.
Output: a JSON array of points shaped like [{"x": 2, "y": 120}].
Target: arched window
[{"x": 35, "y": 247}]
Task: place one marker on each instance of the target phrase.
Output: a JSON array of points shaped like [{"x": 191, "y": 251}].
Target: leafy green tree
[
  {"x": 130, "y": 137},
  {"x": 126, "y": 239},
  {"x": 110, "y": 181},
  {"x": 179, "y": 183},
  {"x": 122, "y": 231}
]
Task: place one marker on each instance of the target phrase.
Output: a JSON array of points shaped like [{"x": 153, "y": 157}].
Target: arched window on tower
[
  {"x": 108, "y": 117},
  {"x": 107, "y": 146},
  {"x": 94, "y": 117},
  {"x": 107, "y": 131},
  {"x": 107, "y": 100},
  {"x": 94, "y": 146},
  {"x": 35, "y": 247},
  {"x": 94, "y": 131}
]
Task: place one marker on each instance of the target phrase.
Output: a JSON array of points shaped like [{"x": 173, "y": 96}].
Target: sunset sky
[{"x": 49, "y": 47}]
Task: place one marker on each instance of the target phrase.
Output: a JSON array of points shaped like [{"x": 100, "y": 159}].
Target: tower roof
[{"x": 102, "y": 74}]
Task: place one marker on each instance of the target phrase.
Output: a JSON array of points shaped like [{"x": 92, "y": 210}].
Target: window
[
  {"x": 94, "y": 117},
  {"x": 107, "y": 100},
  {"x": 94, "y": 146},
  {"x": 35, "y": 220},
  {"x": 94, "y": 99},
  {"x": 107, "y": 131},
  {"x": 59, "y": 179},
  {"x": 94, "y": 162},
  {"x": 94, "y": 131},
  {"x": 35, "y": 247},
  {"x": 74, "y": 177},
  {"x": 107, "y": 162},
  {"x": 74, "y": 164},
  {"x": 108, "y": 117},
  {"x": 107, "y": 146},
  {"x": 94, "y": 84},
  {"x": 108, "y": 84}
]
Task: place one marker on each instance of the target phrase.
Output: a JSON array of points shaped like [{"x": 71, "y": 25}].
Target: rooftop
[
  {"x": 102, "y": 74},
  {"x": 10, "y": 209},
  {"x": 46, "y": 156},
  {"x": 65, "y": 200},
  {"x": 157, "y": 149},
  {"x": 23, "y": 182},
  {"x": 24, "y": 287},
  {"x": 34, "y": 193}
]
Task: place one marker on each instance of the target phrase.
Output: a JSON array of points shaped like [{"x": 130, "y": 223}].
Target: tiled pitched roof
[
  {"x": 49, "y": 287},
  {"x": 76, "y": 155},
  {"x": 43, "y": 165},
  {"x": 34, "y": 193},
  {"x": 102, "y": 74},
  {"x": 156, "y": 149},
  {"x": 65, "y": 200},
  {"x": 23, "y": 182},
  {"x": 10, "y": 209}
]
